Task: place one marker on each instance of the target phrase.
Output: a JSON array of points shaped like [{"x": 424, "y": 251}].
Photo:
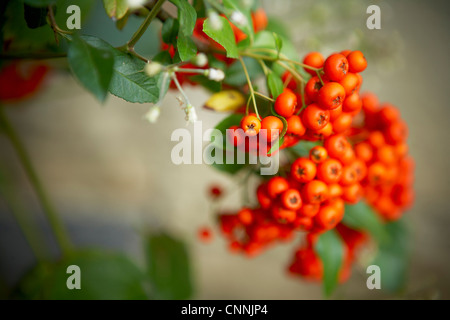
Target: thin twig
[
  {"x": 55, "y": 221},
  {"x": 252, "y": 92}
]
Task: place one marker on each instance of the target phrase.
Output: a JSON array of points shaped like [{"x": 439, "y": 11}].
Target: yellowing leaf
[
  {"x": 224, "y": 101},
  {"x": 116, "y": 8}
]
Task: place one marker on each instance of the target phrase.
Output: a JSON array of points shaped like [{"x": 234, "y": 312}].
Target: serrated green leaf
[
  {"x": 186, "y": 47},
  {"x": 186, "y": 16},
  {"x": 224, "y": 36},
  {"x": 104, "y": 276},
  {"x": 92, "y": 66},
  {"x": 169, "y": 31},
  {"x": 39, "y": 3},
  {"x": 128, "y": 81},
  {"x": 329, "y": 247},
  {"x": 116, "y": 8},
  {"x": 361, "y": 217},
  {"x": 168, "y": 265},
  {"x": 35, "y": 17},
  {"x": 275, "y": 84}
]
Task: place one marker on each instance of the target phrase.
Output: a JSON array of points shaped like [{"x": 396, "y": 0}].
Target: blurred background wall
[{"x": 109, "y": 171}]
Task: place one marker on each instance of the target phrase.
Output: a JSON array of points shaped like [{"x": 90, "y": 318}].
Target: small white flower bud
[
  {"x": 153, "y": 68},
  {"x": 191, "y": 114},
  {"x": 133, "y": 4},
  {"x": 200, "y": 60},
  {"x": 214, "y": 20},
  {"x": 238, "y": 18},
  {"x": 215, "y": 74},
  {"x": 153, "y": 114}
]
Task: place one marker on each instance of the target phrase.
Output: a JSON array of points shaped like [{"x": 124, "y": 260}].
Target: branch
[{"x": 140, "y": 32}]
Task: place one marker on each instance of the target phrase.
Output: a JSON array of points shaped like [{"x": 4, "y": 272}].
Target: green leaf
[
  {"x": 186, "y": 47},
  {"x": 277, "y": 26},
  {"x": 276, "y": 146},
  {"x": 216, "y": 63},
  {"x": 169, "y": 31},
  {"x": 233, "y": 119},
  {"x": 86, "y": 6},
  {"x": 211, "y": 85},
  {"x": 278, "y": 42},
  {"x": 16, "y": 31},
  {"x": 3, "y": 6},
  {"x": 283, "y": 119},
  {"x": 302, "y": 148},
  {"x": 275, "y": 84},
  {"x": 163, "y": 57},
  {"x": 231, "y": 168},
  {"x": 39, "y": 3},
  {"x": 92, "y": 66},
  {"x": 199, "y": 6},
  {"x": 35, "y": 17},
  {"x": 104, "y": 276},
  {"x": 224, "y": 36},
  {"x": 236, "y": 5},
  {"x": 330, "y": 250},
  {"x": 129, "y": 82},
  {"x": 116, "y": 8},
  {"x": 361, "y": 217},
  {"x": 168, "y": 266},
  {"x": 393, "y": 257},
  {"x": 187, "y": 16},
  {"x": 121, "y": 23},
  {"x": 266, "y": 40},
  {"x": 234, "y": 74},
  {"x": 23, "y": 39}
]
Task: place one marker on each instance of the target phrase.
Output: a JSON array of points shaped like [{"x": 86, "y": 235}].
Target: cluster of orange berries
[
  {"x": 310, "y": 198},
  {"x": 358, "y": 155},
  {"x": 380, "y": 141},
  {"x": 329, "y": 103},
  {"x": 331, "y": 96}
]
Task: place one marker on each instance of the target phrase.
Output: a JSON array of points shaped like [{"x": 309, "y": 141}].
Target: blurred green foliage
[{"x": 114, "y": 276}]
